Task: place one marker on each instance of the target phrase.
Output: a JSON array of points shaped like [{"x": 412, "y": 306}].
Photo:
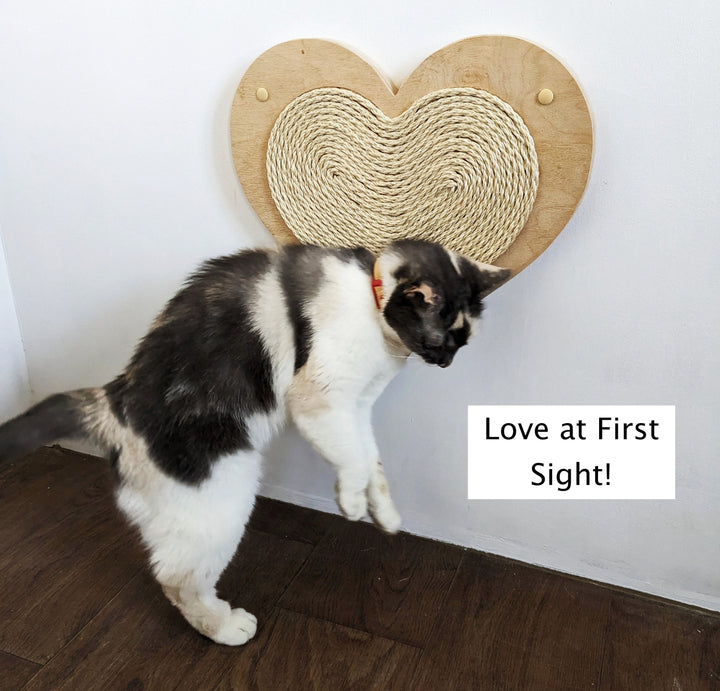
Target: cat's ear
[
  {"x": 423, "y": 293},
  {"x": 482, "y": 279},
  {"x": 490, "y": 278}
]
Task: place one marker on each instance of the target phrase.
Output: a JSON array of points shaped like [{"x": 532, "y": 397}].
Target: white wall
[
  {"x": 117, "y": 180},
  {"x": 14, "y": 381}
]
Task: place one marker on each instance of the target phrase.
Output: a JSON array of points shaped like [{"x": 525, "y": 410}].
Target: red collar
[{"x": 377, "y": 286}]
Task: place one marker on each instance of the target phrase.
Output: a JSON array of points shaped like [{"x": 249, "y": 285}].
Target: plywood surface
[{"x": 510, "y": 68}]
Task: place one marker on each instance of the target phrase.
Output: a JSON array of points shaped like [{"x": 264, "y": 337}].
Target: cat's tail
[{"x": 60, "y": 416}]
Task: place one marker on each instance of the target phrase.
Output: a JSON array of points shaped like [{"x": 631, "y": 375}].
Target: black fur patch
[
  {"x": 363, "y": 256},
  {"x": 114, "y": 457},
  {"x": 58, "y": 416},
  {"x": 300, "y": 277},
  {"x": 114, "y": 393},
  {"x": 423, "y": 260},
  {"x": 300, "y": 274},
  {"x": 200, "y": 372}
]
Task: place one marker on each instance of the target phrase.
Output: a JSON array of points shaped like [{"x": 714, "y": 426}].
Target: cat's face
[{"x": 436, "y": 298}]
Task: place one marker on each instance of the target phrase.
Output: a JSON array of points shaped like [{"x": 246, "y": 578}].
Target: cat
[{"x": 301, "y": 332}]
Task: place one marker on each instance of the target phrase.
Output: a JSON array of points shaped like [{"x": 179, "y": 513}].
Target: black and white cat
[{"x": 303, "y": 332}]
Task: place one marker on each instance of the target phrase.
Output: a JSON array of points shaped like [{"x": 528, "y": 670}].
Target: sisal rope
[{"x": 458, "y": 167}]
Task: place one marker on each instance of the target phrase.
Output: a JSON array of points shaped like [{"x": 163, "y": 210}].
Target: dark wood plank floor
[{"x": 340, "y": 605}]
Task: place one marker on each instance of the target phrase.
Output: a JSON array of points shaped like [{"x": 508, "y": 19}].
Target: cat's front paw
[
  {"x": 352, "y": 504},
  {"x": 237, "y": 629},
  {"x": 386, "y": 517}
]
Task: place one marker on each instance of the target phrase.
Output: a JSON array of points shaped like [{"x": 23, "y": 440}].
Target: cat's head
[{"x": 434, "y": 297}]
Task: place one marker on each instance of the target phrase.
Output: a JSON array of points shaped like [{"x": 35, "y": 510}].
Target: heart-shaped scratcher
[
  {"x": 329, "y": 152},
  {"x": 457, "y": 167}
]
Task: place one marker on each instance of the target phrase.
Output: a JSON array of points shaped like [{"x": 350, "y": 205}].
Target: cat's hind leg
[
  {"x": 192, "y": 532},
  {"x": 194, "y": 595}
]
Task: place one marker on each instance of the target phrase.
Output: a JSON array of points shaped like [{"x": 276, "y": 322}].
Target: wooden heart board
[{"x": 526, "y": 77}]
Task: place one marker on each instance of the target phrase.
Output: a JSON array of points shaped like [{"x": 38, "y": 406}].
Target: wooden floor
[{"x": 339, "y": 605}]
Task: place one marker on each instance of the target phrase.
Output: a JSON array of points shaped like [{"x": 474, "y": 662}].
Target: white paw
[
  {"x": 237, "y": 629},
  {"x": 386, "y": 517},
  {"x": 352, "y": 504}
]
